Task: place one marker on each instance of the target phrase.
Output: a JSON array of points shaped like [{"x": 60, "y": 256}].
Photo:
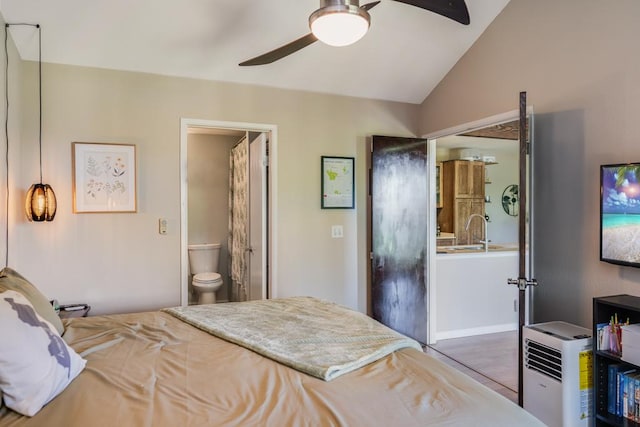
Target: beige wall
[
  {"x": 15, "y": 151},
  {"x": 578, "y": 61},
  {"x": 119, "y": 262}
]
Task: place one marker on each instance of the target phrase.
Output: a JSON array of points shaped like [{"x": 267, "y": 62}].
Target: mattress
[{"x": 152, "y": 369}]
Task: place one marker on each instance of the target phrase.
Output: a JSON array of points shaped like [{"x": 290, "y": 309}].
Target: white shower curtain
[{"x": 238, "y": 211}]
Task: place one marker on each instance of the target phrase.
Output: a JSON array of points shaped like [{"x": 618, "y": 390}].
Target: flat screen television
[{"x": 620, "y": 214}]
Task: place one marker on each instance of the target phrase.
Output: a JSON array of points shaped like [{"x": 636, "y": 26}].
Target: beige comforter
[{"x": 151, "y": 369}]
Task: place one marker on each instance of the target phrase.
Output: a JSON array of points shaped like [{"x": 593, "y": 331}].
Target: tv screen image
[{"x": 620, "y": 214}]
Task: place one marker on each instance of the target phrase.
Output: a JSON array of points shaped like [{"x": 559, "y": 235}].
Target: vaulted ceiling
[{"x": 405, "y": 54}]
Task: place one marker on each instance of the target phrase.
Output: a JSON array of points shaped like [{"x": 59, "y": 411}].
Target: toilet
[{"x": 203, "y": 263}]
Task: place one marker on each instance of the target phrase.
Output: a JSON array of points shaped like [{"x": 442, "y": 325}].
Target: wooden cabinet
[
  {"x": 468, "y": 176},
  {"x": 462, "y": 195},
  {"x": 623, "y": 307}
]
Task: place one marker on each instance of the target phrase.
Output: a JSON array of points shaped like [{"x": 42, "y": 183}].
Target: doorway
[
  {"x": 249, "y": 228},
  {"x": 473, "y": 311}
]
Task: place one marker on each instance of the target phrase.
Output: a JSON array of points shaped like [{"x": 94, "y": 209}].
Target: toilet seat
[{"x": 207, "y": 279}]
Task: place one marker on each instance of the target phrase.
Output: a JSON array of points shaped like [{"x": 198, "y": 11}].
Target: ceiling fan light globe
[{"x": 339, "y": 25}]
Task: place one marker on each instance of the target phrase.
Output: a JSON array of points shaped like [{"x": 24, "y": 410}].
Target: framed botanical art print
[{"x": 104, "y": 177}]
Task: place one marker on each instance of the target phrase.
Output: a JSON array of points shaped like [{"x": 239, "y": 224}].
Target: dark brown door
[
  {"x": 525, "y": 248},
  {"x": 399, "y": 226}
]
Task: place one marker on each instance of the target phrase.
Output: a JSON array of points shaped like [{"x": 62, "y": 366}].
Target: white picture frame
[{"x": 104, "y": 177}]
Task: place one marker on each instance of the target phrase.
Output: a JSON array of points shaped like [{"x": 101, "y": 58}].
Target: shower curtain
[{"x": 238, "y": 211}]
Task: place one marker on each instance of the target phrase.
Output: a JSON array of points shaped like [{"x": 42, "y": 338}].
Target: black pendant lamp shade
[{"x": 40, "y": 204}]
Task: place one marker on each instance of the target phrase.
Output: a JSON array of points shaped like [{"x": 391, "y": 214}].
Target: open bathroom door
[{"x": 257, "y": 252}]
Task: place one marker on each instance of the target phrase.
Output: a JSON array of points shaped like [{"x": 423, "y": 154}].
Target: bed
[{"x": 158, "y": 369}]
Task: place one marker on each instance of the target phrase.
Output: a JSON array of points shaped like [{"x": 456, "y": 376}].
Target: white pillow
[{"x": 35, "y": 362}]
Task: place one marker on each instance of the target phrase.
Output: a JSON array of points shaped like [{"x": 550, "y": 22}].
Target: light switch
[
  {"x": 162, "y": 226},
  {"x": 336, "y": 231}
]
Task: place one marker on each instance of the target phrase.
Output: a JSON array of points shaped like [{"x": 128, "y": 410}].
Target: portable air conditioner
[{"x": 557, "y": 373}]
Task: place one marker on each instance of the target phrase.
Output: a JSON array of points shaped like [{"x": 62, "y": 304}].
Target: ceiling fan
[{"x": 343, "y": 22}]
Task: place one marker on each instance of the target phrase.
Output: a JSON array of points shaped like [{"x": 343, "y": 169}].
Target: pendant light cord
[
  {"x": 40, "y": 94},
  {"x": 6, "y": 135},
  {"x": 6, "y": 122}
]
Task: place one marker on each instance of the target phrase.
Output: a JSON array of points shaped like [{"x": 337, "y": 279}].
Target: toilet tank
[{"x": 203, "y": 258}]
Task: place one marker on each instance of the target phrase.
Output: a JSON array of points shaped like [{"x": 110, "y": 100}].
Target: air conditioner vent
[{"x": 543, "y": 359}]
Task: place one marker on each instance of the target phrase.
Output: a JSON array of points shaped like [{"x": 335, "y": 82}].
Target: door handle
[{"x": 522, "y": 282}]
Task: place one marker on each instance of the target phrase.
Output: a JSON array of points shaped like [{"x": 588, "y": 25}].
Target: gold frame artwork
[{"x": 104, "y": 177}]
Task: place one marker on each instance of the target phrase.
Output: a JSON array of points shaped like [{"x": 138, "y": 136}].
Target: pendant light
[{"x": 40, "y": 204}]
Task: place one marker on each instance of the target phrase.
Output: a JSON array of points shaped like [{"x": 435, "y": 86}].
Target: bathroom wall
[{"x": 208, "y": 191}]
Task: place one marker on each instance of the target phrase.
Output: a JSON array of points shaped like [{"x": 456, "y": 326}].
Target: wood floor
[{"x": 490, "y": 359}]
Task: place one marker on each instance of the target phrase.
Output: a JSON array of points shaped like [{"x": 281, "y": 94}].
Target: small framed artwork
[
  {"x": 337, "y": 182},
  {"x": 104, "y": 177}
]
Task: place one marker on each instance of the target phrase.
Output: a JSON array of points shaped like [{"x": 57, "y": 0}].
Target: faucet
[{"x": 486, "y": 229}]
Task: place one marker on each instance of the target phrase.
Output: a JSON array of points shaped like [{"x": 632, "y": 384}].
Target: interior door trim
[{"x": 272, "y": 214}]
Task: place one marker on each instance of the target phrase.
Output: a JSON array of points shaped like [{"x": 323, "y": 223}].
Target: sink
[
  {"x": 476, "y": 248},
  {"x": 467, "y": 247},
  {"x": 504, "y": 247},
  {"x": 461, "y": 247}
]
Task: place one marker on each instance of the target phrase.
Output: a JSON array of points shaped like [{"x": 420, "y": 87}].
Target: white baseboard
[{"x": 459, "y": 333}]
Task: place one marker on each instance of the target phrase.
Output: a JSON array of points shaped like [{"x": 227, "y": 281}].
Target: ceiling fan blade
[
  {"x": 281, "y": 52},
  {"x": 369, "y": 6},
  {"x": 452, "y": 9}
]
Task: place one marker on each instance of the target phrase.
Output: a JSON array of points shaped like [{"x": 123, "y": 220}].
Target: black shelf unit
[{"x": 624, "y": 306}]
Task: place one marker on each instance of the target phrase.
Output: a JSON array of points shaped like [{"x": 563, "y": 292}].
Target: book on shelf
[
  {"x": 603, "y": 335},
  {"x": 609, "y": 335},
  {"x": 612, "y": 391},
  {"x": 621, "y": 390},
  {"x": 628, "y": 406},
  {"x": 631, "y": 402}
]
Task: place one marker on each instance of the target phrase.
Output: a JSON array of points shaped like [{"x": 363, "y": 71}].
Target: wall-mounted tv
[{"x": 620, "y": 214}]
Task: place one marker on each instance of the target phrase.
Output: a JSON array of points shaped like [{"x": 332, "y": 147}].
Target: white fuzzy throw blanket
[{"x": 313, "y": 336}]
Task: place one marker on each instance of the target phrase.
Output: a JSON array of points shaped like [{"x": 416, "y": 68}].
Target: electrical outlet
[
  {"x": 336, "y": 231},
  {"x": 162, "y": 226}
]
